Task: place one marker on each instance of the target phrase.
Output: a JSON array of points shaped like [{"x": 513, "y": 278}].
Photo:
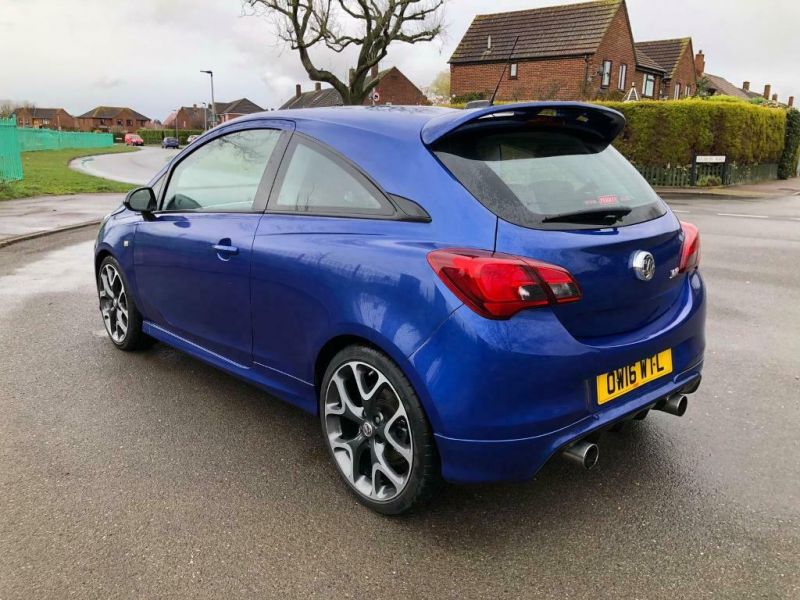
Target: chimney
[
  {"x": 318, "y": 86},
  {"x": 774, "y": 97},
  {"x": 194, "y": 105},
  {"x": 791, "y": 101},
  {"x": 767, "y": 90},
  {"x": 298, "y": 91},
  {"x": 374, "y": 72},
  {"x": 746, "y": 86},
  {"x": 700, "y": 63}
]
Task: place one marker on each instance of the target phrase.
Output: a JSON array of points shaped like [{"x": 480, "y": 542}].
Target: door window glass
[
  {"x": 223, "y": 175},
  {"x": 315, "y": 182}
]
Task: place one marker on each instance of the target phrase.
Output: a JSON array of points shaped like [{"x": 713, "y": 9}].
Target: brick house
[
  {"x": 112, "y": 118},
  {"x": 188, "y": 117},
  {"x": 570, "y": 52},
  {"x": 676, "y": 57},
  {"x": 45, "y": 118},
  {"x": 393, "y": 88},
  {"x": 227, "y": 111}
]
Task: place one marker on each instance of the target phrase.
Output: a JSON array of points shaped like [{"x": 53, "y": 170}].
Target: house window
[
  {"x": 649, "y": 86},
  {"x": 606, "y": 81},
  {"x": 677, "y": 91},
  {"x": 488, "y": 42},
  {"x": 128, "y": 122},
  {"x": 119, "y": 122},
  {"x": 623, "y": 76},
  {"x": 513, "y": 71},
  {"x": 688, "y": 91}
]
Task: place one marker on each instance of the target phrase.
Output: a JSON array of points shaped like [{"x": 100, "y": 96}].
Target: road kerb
[{"x": 37, "y": 234}]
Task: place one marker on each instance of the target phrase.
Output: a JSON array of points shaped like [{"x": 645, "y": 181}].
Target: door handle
[{"x": 223, "y": 249}]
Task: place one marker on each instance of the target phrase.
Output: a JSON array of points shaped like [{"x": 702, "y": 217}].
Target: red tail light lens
[
  {"x": 498, "y": 286},
  {"x": 690, "y": 253}
]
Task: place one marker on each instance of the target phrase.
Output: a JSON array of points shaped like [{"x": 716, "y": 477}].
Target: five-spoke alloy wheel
[
  {"x": 120, "y": 315},
  {"x": 376, "y": 431}
]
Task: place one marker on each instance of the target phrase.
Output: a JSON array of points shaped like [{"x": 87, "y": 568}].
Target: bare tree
[{"x": 369, "y": 26}]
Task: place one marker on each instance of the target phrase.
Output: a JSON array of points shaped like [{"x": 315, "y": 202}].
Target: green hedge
[
  {"x": 154, "y": 136},
  {"x": 787, "y": 167},
  {"x": 671, "y": 133}
]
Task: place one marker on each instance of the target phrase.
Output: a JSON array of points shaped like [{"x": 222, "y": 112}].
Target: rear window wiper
[{"x": 601, "y": 216}]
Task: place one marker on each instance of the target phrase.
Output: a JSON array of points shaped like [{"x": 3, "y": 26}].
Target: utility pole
[
  {"x": 205, "y": 116},
  {"x": 213, "y": 103}
]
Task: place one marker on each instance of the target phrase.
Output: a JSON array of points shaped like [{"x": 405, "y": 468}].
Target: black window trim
[
  {"x": 264, "y": 186},
  {"x": 402, "y": 209}
]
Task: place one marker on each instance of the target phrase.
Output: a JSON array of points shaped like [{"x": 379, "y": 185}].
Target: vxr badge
[{"x": 643, "y": 265}]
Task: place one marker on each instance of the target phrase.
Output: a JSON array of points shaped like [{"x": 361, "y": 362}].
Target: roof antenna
[{"x": 503, "y": 74}]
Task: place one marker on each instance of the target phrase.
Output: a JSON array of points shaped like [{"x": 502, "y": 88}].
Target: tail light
[
  {"x": 498, "y": 286},
  {"x": 690, "y": 252}
]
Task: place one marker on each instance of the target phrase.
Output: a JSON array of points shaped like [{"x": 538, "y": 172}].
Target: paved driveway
[{"x": 153, "y": 475}]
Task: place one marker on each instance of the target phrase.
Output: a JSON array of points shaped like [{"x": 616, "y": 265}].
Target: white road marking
[{"x": 742, "y": 216}]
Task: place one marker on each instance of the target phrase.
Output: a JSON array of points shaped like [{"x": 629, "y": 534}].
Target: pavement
[
  {"x": 31, "y": 217},
  {"x": 134, "y": 167},
  {"x": 152, "y": 475}
]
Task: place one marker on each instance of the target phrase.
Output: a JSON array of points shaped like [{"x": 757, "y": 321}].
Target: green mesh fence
[
  {"x": 49, "y": 139},
  {"x": 10, "y": 162}
]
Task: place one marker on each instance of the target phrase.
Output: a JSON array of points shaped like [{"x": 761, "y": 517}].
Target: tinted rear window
[{"x": 527, "y": 175}]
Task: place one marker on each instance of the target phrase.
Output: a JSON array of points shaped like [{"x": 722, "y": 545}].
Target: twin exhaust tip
[{"x": 586, "y": 454}]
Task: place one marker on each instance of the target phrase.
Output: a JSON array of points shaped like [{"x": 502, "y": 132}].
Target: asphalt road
[
  {"x": 152, "y": 475},
  {"x": 135, "y": 167}
]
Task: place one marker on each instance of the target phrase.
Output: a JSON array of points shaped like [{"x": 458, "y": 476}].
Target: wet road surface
[
  {"x": 153, "y": 475},
  {"x": 134, "y": 167}
]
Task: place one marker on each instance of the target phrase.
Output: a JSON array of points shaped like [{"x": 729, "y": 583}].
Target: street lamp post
[
  {"x": 213, "y": 104},
  {"x": 205, "y": 116}
]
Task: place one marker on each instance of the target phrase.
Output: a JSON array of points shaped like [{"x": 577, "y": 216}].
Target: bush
[
  {"x": 709, "y": 181},
  {"x": 464, "y": 98},
  {"x": 154, "y": 136},
  {"x": 672, "y": 133},
  {"x": 787, "y": 167}
]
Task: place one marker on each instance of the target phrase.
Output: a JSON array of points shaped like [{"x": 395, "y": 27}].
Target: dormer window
[{"x": 488, "y": 42}]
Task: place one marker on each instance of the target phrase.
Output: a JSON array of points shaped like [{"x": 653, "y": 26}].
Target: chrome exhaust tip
[
  {"x": 583, "y": 453},
  {"x": 674, "y": 405}
]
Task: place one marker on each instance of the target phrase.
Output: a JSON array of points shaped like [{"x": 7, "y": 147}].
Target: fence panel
[
  {"x": 10, "y": 161},
  {"x": 49, "y": 139},
  {"x": 713, "y": 173}
]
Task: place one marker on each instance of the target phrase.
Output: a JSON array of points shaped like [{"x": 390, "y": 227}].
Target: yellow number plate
[{"x": 621, "y": 381}]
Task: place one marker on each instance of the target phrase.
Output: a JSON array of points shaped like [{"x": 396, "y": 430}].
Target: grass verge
[{"x": 47, "y": 173}]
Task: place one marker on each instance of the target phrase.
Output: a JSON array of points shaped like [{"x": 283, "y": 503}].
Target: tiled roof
[
  {"x": 110, "y": 112},
  {"x": 666, "y": 53},
  {"x": 720, "y": 85},
  {"x": 643, "y": 61},
  {"x": 570, "y": 30},
  {"x": 43, "y": 113},
  {"x": 314, "y": 99},
  {"x": 242, "y": 106}
]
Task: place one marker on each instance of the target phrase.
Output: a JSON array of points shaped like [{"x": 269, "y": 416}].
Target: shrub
[
  {"x": 464, "y": 98},
  {"x": 154, "y": 136},
  {"x": 787, "y": 167},
  {"x": 672, "y": 133},
  {"x": 709, "y": 181}
]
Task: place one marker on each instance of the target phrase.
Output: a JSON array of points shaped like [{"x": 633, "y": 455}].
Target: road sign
[{"x": 711, "y": 159}]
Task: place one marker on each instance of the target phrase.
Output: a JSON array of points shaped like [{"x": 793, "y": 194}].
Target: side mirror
[{"x": 142, "y": 200}]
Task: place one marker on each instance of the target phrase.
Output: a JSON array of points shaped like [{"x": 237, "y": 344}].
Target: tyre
[
  {"x": 122, "y": 319},
  {"x": 376, "y": 431}
]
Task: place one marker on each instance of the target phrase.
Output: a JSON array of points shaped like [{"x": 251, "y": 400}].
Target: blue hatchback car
[{"x": 457, "y": 294}]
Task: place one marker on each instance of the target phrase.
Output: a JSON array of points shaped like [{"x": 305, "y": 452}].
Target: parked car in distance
[
  {"x": 455, "y": 294},
  {"x": 132, "y": 139},
  {"x": 170, "y": 142},
  {"x": 191, "y": 138}
]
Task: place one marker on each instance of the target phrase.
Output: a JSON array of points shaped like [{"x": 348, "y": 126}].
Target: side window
[
  {"x": 158, "y": 185},
  {"x": 223, "y": 175},
  {"x": 316, "y": 181}
]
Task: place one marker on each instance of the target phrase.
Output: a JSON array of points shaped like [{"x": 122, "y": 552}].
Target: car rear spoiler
[{"x": 606, "y": 123}]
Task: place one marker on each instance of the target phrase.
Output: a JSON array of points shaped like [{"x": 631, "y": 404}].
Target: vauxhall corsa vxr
[{"x": 456, "y": 294}]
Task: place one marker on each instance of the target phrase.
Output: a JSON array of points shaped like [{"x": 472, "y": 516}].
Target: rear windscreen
[{"x": 548, "y": 178}]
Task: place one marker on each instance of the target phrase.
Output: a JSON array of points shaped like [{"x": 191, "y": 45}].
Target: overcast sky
[{"x": 147, "y": 54}]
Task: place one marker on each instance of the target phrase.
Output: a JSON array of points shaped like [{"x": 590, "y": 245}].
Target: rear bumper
[{"x": 504, "y": 396}]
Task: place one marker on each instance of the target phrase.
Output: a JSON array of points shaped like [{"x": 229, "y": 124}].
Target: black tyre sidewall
[
  {"x": 425, "y": 470},
  {"x": 135, "y": 338}
]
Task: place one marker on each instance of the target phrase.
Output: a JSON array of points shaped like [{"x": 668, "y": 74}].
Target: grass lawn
[{"x": 46, "y": 173}]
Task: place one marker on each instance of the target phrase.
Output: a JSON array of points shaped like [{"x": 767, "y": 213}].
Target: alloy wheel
[
  {"x": 113, "y": 303},
  {"x": 368, "y": 431}
]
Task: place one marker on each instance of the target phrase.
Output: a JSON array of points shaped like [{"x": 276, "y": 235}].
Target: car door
[{"x": 192, "y": 256}]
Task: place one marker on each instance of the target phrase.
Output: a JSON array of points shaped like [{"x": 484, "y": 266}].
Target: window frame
[
  {"x": 622, "y": 78},
  {"x": 687, "y": 91},
  {"x": 264, "y": 186},
  {"x": 676, "y": 93},
  {"x": 605, "y": 75},
  {"x": 513, "y": 71},
  {"x": 652, "y": 94},
  {"x": 394, "y": 213}
]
